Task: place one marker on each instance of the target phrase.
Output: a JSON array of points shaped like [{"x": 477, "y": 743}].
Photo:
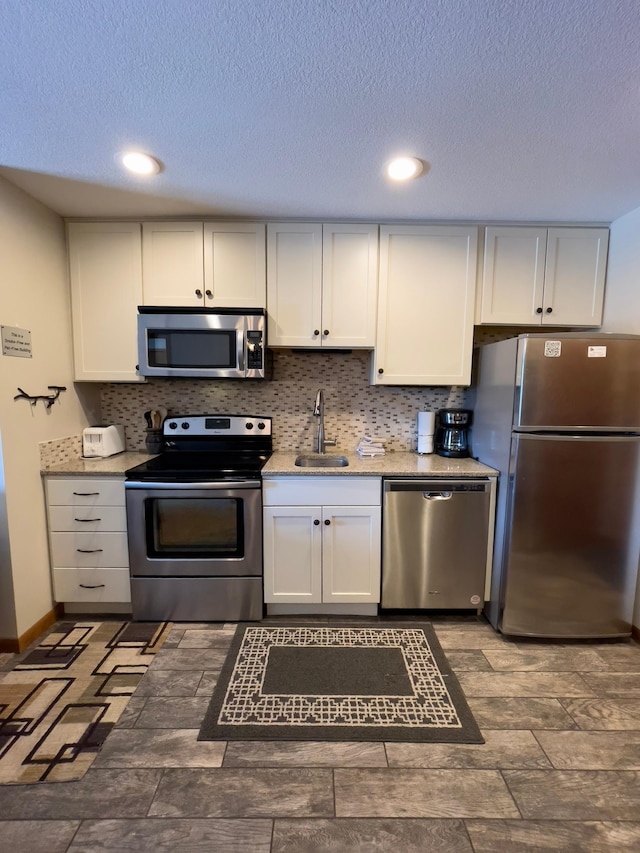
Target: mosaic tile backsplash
[{"x": 353, "y": 407}]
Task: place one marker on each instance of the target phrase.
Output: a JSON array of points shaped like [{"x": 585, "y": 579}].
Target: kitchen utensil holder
[{"x": 153, "y": 440}]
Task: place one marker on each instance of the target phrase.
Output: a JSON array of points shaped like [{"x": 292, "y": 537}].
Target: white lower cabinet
[
  {"x": 88, "y": 539},
  {"x": 322, "y": 540}
]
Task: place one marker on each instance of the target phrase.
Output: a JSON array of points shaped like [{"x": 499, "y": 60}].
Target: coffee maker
[{"x": 452, "y": 433}]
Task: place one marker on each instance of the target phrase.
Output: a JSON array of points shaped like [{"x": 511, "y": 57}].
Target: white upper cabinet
[
  {"x": 204, "y": 265},
  {"x": 426, "y": 305},
  {"x": 106, "y": 289},
  {"x": 234, "y": 265},
  {"x": 172, "y": 263},
  {"x": 543, "y": 276},
  {"x": 322, "y": 285}
]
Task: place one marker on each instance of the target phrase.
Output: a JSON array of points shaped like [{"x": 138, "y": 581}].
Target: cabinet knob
[
  {"x": 380, "y": 370},
  {"x": 199, "y": 293},
  {"x": 327, "y": 522},
  {"x": 326, "y": 332},
  {"x": 316, "y": 332},
  {"x": 538, "y": 310},
  {"x": 316, "y": 522},
  {"x": 549, "y": 310},
  {"x": 209, "y": 294}
]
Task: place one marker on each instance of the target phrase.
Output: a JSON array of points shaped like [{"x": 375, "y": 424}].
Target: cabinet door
[
  {"x": 351, "y": 554},
  {"x": 425, "y": 305},
  {"x": 349, "y": 285},
  {"x": 172, "y": 263},
  {"x": 513, "y": 276},
  {"x": 106, "y": 288},
  {"x": 294, "y": 284},
  {"x": 575, "y": 276},
  {"x": 235, "y": 265},
  {"x": 292, "y": 554}
]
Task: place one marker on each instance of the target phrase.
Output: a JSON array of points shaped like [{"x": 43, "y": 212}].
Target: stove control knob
[
  {"x": 185, "y": 425},
  {"x": 173, "y": 425},
  {"x": 261, "y": 425},
  {"x": 249, "y": 425}
]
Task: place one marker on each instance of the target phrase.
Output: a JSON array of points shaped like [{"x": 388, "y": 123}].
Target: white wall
[
  {"x": 33, "y": 296},
  {"x": 622, "y": 298}
]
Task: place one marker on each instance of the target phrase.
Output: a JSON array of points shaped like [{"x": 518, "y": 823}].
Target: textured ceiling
[{"x": 523, "y": 109}]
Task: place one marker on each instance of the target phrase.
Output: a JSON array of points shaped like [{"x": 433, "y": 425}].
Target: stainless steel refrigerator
[{"x": 558, "y": 414}]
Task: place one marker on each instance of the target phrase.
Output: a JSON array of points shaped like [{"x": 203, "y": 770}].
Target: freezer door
[
  {"x": 573, "y": 536},
  {"x": 578, "y": 383}
]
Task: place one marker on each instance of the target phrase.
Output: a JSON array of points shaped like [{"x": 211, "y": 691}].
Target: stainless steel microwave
[{"x": 222, "y": 343}]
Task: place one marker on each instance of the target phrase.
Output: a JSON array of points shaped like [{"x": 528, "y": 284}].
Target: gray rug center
[{"x": 342, "y": 671}]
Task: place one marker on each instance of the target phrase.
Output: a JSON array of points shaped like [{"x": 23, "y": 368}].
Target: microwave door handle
[{"x": 242, "y": 344}]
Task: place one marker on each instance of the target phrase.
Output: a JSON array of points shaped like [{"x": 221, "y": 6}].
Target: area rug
[
  {"x": 59, "y": 703},
  {"x": 388, "y": 682}
]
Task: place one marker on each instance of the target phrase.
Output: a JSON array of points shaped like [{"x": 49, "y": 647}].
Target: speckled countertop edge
[{"x": 103, "y": 467}]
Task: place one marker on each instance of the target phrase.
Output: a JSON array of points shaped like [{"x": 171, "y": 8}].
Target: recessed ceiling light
[
  {"x": 139, "y": 163},
  {"x": 404, "y": 168}
]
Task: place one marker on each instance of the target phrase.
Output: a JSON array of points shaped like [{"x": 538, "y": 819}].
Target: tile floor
[{"x": 560, "y": 769}]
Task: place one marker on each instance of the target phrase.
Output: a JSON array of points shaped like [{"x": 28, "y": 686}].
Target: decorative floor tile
[
  {"x": 159, "y": 748},
  {"x": 170, "y": 836},
  {"x": 605, "y": 714},
  {"x": 370, "y": 836},
  {"x": 546, "y": 660},
  {"x": 244, "y": 793},
  {"x": 422, "y": 793},
  {"x": 592, "y": 750},
  {"x": 502, "y": 749},
  {"x": 304, "y": 754},
  {"x": 523, "y": 684},
  {"x": 534, "y": 836},
  {"x": 575, "y": 795},
  {"x": 509, "y": 712},
  {"x": 37, "y": 836}
]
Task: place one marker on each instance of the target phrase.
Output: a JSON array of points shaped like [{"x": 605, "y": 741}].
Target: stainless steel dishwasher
[{"x": 435, "y": 538}]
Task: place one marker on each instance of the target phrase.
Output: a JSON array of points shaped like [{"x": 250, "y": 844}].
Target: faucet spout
[{"x": 318, "y": 411}]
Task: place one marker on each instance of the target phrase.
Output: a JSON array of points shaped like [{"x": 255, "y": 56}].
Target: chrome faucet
[{"x": 318, "y": 411}]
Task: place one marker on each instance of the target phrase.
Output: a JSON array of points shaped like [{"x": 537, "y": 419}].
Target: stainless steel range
[{"x": 194, "y": 519}]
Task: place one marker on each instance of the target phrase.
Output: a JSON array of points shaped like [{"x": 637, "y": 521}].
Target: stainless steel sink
[{"x": 321, "y": 460}]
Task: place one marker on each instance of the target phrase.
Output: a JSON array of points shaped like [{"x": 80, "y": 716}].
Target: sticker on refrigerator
[
  {"x": 552, "y": 349},
  {"x": 596, "y": 352}
]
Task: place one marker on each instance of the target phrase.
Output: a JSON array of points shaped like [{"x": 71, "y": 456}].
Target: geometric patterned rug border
[
  {"x": 59, "y": 703},
  {"x": 349, "y": 682}
]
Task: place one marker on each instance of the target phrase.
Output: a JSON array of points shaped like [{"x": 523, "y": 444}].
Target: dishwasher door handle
[{"x": 437, "y": 496}]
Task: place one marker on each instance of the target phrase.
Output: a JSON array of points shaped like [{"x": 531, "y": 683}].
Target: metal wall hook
[{"x": 47, "y": 399}]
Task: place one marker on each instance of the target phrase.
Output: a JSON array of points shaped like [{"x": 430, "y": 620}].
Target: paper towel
[{"x": 426, "y": 423}]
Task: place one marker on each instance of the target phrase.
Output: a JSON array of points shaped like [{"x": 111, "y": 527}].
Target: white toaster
[{"x": 102, "y": 441}]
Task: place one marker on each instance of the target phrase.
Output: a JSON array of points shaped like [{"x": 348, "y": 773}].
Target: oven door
[{"x": 194, "y": 529}]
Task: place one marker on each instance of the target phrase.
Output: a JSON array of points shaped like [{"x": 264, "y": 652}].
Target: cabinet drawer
[
  {"x": 91, "y": 550},
  {"x": 85, "y": 491},
  {"x": 309, "y": 491},
  {"x": 109, "y": 585},
  {"x": 88, "y": 519}
]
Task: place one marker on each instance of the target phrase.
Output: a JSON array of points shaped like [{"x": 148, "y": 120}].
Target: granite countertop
[
  {"x": 392, "y": 464},
  {"x": 102, "y": 467},
  {"x": 281, "y": 463}
]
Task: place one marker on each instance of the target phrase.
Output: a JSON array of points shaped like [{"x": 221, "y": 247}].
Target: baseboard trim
[
  {"x": 635, "y": 633},
  {"x": 19, "y": 644}
]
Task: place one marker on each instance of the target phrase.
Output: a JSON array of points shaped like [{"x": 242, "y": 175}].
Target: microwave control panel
[{"x": 254, "y": 350}]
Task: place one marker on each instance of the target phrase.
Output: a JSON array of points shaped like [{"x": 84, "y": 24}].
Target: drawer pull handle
[
  {"x": 89, "y": 550},
  {"x": 86, "y": 494},
  {"x": 87, "y": 520},
  {"x": 91, "y": 586}
]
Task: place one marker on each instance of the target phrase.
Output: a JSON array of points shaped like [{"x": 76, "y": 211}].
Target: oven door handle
[{"x": 220, "y": 485}]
